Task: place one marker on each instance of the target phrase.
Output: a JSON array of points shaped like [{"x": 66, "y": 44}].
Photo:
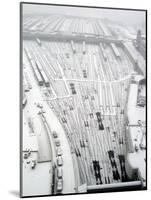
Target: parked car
[
  {"x": 39, "y": 105},
  {"x": 25, "y": 155},
  {"x": 59, "y": 185},
  {"x": 33, "y": 164},
  {"x": 57, "y": 143},
  {"x": 54, "y": 133},
  {"x": 59, "y": 161},
  {"x": 59, "y": 151},
  {"x": 59, "y": 172}
]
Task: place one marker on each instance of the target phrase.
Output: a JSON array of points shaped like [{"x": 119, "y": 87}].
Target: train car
[
  {"x": 36, "y": 72},
  {"x": 130, "y": 52},
  {"x": 104, "y": 28},
  {"x": 27, "y": 80},
  {"x": 73, "y": 47},
  {"x": 103, "y": 52},
  {"x": 45, "y": 78},
  {"x": 38, "y": 77},
  {"x": 38, "y": 41},
  {"x": 24, "y": 99},
  {"x": 28, "y": 54},
  {"x": 41, "y": 71},
  {"x": 115, "y": 50},
  {"x": 83, "y": 47},
  {"x": 33, "y": 64},
  {"x": 38, "y": 65}
]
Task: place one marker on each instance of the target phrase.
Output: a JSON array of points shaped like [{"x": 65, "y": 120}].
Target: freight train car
[
  {"x": 36, "y": 73},
  {"x": 45, "y": 79},
  {"x": 27, "y": 54},
  {"x": 103, "y": 52},
  {"x": 73, "y": 47},
  {"x": 115, "y": 50},
  {"x": 38, "y": 77},
  {"x": 83, "y": 47},
  {"x": 42, "y": 73},
  {"x": 38, "y": 41},
  {"x": 24, "y": 99}
]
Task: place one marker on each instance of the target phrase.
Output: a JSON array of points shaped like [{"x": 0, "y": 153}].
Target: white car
[
  {"x": 59, "y": 151},
  {"x": 59, "y": 185},
  {"x": 57, "y": 143},
  {"x": 59, "y": 172},
  {"x": 59, "y": 161}
]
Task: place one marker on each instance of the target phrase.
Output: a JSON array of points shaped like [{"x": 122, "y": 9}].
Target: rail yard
[{"x": 84, "y": 101}]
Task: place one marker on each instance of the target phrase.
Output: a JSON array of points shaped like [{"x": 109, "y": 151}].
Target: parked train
[{"x": 38, "y": 70}]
